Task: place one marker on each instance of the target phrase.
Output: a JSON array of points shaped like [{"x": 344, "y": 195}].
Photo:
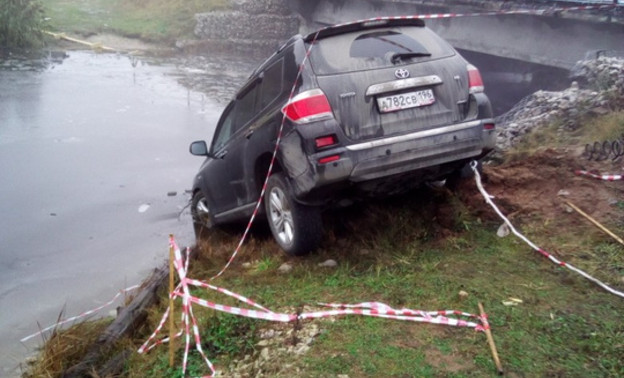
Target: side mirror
[{"x": 199, "y": 148}]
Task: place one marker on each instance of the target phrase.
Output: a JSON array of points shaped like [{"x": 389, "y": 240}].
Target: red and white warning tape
[
  {"x": 374, "y": 309},
  {"x": 83, "y": 315},
  {"x": 599, "y": 177},
  {"x": 552, "y": 258},
  {"x": 531, "y": 12}
]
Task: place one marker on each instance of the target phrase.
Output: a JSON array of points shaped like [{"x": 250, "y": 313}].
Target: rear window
[{"x": 377, "y": 48}]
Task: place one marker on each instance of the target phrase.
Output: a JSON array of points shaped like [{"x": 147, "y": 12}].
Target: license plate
[{"x": 405, "y": 101}]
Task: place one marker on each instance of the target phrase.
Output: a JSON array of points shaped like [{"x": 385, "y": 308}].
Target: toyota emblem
[{"x": 401, "y": 73}]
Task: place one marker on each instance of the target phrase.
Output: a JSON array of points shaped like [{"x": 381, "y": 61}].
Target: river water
[
  {"x": 94, "y": 169},
  {"x": 95, "y": 166}
]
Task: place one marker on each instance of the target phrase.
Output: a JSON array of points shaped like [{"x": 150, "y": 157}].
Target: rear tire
[
  {"x": 202, "y": 216},
  {"x": 297, "y": 228}
]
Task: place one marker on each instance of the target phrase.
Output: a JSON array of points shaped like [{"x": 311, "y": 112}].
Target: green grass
[
  {"x": 151, "y": 20},
  {"x": 609, "y": 127},
  {"x": 565, "y": 326}
]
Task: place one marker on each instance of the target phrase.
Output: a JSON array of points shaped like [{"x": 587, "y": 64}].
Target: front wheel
[
  {"x": 297, "y": 228},
  {"x": 202, "y": 217}
]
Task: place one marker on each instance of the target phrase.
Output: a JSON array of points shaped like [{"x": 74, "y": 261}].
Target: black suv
[{"x": 367, "y": 108}]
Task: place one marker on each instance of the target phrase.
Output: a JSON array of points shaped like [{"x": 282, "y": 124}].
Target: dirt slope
[{"x": 535, "y": 187}]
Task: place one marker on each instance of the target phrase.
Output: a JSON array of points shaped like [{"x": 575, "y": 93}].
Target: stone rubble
[
  {"x": 598, "y": 86},
  {"x": 277, "y": 352},
  {"x": 251, "y": 27}
]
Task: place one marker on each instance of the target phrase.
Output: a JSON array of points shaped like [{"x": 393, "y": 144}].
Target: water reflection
[{"x": 30, "y": 60}]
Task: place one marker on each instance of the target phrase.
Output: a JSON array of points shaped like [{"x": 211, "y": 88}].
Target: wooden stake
[
  {"x": 490, "y": 339},
  {"x": 171, "y": 305},
  {"x": 595, "y": 222}
]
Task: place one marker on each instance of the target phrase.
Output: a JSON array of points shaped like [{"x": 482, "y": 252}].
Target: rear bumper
[
  {"x": 422, "y": 149},
  {"x": 391, "y": 156}
]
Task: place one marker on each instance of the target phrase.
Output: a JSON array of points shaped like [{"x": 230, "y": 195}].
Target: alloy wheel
[{"x": 281, "y": 216}]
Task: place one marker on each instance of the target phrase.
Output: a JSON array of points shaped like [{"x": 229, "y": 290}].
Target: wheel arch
[{"x": 261, "y": 169}]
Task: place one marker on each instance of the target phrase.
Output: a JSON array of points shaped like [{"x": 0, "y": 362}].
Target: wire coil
[{"x": 606, "y": 150}]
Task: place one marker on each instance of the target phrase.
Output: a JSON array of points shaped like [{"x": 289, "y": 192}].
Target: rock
[
  {"x": 503, "y": 230},
  {"x": 302, "y": 349},
  {"x": 268, "y": 334},
  {"x": 172, "y": 194},
  {"x": 285, "y": 268},
  {"x": 264, "y": 354},
  {"x": 462, "y": 294},
  {"x": 598, "y": 84},
  {"x": 329, "y": 263},
  {"x": 563, "y": 193}
]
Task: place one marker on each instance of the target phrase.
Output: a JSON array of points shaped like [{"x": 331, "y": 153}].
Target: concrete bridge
[{"x": 548, "y": 37}]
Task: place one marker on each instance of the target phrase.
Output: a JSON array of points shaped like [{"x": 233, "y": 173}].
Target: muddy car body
[{"x": 368, "y": 108}]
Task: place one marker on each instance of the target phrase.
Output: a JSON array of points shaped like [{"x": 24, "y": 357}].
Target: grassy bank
[
  {"x": 431, "y": 250},
  {"x": 159, "y": 21}
]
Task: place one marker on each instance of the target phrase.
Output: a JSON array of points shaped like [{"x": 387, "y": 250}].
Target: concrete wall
[{"x": 552, "y": 41}]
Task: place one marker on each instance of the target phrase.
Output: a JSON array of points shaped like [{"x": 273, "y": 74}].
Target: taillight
[
  {"x": 325, "y": 141},
  {"x": 489, "y": 126},
  {"x": 329, "y": 159},
  {"x": 308, "y": 107},
  {"x": 475, "y": 82}
]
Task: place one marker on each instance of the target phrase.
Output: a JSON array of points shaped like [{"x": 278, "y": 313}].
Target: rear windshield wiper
[{"x": 397, "y": 57}]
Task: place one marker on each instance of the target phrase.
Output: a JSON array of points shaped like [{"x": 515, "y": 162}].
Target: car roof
[
  {"x": 330, "y": 31},
  {"x": 372, "y": 23}
]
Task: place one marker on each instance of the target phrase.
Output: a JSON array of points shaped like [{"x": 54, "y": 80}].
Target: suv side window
[
  {"x": 246, "y": 106},
  {"x": 250, "y": 101},
  {"x": 225, "y": 128},
  {"x": 272, "y": 84}
]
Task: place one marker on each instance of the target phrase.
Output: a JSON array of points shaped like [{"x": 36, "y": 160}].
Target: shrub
[{"x": 21, "y": 22}]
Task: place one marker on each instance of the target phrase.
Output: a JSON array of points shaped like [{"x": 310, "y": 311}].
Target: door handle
[{"x": 249, "y": 133}]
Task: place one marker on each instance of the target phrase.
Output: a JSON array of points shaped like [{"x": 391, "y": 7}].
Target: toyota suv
[{"x": 355, "y": 110}]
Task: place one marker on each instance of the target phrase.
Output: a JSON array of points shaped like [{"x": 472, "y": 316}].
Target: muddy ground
[{"x": 536, "y": 186}]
